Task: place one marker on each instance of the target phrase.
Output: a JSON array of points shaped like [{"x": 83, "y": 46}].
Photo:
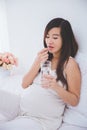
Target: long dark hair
[{"x": 69, "y": 45}]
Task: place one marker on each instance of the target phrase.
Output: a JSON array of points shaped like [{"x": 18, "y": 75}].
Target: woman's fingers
[
  {"x": 43, "y": 55},
  {"x": 43, "y": 51},
  {"x": 45, "y": 84},
  {"x": 48, "y": 76},
  {"x": 48, "y": 81}
]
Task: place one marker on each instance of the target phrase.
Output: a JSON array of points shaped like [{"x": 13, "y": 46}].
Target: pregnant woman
[{"x": 42, "y": 106}]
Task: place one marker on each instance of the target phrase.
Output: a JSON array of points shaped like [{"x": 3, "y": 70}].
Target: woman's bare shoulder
[{"x": 71, "y": 65}]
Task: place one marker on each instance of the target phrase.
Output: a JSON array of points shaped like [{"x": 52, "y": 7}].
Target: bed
[{"x": 11, "y": 92}]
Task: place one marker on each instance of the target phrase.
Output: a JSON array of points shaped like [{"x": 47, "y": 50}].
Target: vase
[{"x": 4, "y": 73}]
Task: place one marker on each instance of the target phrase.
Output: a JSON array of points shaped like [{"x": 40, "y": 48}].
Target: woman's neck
[
  {"x": 54, "y": 63},
  {"x": 56, "y": 56}
]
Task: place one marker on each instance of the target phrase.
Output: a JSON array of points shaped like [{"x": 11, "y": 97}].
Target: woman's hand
[
  {"x": 49, "y": 81},
  {"x": 42, "y": 56}
]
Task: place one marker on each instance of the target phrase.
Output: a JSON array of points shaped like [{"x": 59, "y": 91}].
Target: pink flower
[{"x": 7, "y": 60}]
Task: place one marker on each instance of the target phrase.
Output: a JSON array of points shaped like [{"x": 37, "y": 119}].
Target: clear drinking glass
[{"x": 46, "y": 67}]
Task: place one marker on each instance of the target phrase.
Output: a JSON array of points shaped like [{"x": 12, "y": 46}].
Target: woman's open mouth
[{"x": 50, "y": 47}]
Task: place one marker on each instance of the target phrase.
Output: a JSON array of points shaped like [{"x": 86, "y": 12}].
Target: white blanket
[{"x": 21, "y": 124}]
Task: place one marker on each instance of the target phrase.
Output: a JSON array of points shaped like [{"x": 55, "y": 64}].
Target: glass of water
[{"x": 46, "y": 67}]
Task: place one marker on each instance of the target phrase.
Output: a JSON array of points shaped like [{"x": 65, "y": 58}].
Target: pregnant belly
[{"x": 40, "y": 102}]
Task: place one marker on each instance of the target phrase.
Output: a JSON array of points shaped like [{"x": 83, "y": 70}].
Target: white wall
[
  {"x": 4, "y": 39},
  {"x": 28, "y": 18}
]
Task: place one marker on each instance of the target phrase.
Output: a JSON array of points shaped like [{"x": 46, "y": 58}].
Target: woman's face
[{"x": 54, "y": 40}]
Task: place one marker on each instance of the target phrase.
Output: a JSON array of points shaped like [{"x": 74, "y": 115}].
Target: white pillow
[
  {"x": 9, "y": 105},
  {"x": 78, "y": 115},
  {"x": 2, "y": 118}
]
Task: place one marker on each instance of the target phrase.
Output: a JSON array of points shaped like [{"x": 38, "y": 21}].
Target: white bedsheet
[
  {"x": 21, "y": 124},
  {"x": 66, "y": 126}
]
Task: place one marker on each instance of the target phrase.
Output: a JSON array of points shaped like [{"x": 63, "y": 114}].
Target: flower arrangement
[{"x": 8, "y": 60}]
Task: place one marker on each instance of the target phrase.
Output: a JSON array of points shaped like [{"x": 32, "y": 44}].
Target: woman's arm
[
  {"x": 73, "y": 77},
  {"x": 29, "y": 77}
]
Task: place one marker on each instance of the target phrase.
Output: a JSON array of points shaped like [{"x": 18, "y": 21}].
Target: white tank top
[{"x": 43, "y": 105}]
